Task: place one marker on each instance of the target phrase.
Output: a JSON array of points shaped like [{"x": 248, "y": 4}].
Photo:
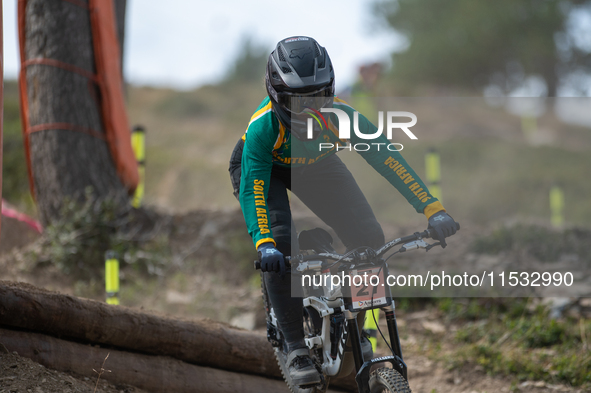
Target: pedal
[{"x": 320, "y": 386}]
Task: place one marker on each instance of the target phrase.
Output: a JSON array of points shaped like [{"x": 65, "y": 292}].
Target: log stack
[{"x": 149, "y": 351}]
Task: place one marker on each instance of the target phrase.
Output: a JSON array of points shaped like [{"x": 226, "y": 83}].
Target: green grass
[
  {"x": 511, "y": 338},
  {"x": 77, "y": 243}
]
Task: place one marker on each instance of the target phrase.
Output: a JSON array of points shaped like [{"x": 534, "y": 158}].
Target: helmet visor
[{"x": 297, "y": 103}]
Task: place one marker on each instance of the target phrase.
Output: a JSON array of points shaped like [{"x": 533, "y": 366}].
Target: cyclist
[{"x": 262, "y": 169}]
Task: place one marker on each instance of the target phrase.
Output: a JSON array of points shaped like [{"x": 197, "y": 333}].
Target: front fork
[
  {"x": 393, "y": 333},
  {"x": 363, "y": 366}
]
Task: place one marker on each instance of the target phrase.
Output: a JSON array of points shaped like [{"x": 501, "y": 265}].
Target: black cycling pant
[{"x": 330, "y": 191}]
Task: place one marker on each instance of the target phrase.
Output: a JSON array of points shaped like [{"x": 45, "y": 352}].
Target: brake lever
[
  {"x": 414, "y": 245},
  {"x": 421, "y": 243},
  {"x": 430, "y": 246}
]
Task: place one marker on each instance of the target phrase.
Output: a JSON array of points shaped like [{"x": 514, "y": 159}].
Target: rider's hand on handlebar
[
  {"x": 443, "y": 225},
  {"x": 271, "y": 259}
]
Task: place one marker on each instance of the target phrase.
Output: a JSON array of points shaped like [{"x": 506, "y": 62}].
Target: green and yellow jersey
[{"x": 268, "y": 143}]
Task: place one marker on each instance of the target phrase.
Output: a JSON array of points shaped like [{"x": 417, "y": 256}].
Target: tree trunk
[
  {"x": 552, "y": 85},
  {"x": 65, "y": 162}
]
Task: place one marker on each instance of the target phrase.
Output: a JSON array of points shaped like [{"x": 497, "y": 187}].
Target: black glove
[
  {"x": 271, "y": 259},
  {"x": 443, "y": 225}
]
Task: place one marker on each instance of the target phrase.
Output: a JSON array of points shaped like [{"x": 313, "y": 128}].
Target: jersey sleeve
[
  {"x": 392, "y": 166},
  {"x": 257, "y": 163}
]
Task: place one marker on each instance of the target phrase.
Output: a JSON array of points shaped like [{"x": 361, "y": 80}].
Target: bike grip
[
  {"x": 431, "y": 232},
  {"x": 257, "y": 263}
]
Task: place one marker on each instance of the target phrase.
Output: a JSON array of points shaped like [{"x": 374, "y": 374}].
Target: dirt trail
[
  {"x": 426, "y": 376},
  {"x": 22, "y": 375}
]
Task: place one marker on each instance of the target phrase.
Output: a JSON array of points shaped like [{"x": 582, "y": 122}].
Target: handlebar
[{"x": 426, "y": 234}]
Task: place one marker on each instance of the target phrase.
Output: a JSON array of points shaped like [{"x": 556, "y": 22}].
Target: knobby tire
[{"x": 387, "y": 380}]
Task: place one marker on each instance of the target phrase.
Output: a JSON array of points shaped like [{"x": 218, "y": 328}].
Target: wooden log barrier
[
  {"x": 201, "y": 342},
  {"x": 151, "y": 373}
]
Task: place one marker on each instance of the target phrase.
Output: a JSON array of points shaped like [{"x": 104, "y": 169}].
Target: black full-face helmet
[{"x": 299, "y": 76}]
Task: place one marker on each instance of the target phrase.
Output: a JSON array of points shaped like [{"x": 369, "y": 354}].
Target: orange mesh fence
[{"x": 108, "y": 65}]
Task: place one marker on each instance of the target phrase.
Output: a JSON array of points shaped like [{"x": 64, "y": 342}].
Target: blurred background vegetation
[{"x": 543, "y": 46}]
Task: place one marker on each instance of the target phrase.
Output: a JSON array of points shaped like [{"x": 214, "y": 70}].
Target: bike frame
[{"x": 337, "y": 301}]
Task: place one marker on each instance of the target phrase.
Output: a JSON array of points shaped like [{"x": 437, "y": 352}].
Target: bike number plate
[{"x": 368, "y": 288}]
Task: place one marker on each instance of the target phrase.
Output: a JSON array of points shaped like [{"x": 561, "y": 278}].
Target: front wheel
[{"x": 387, "y": 380}]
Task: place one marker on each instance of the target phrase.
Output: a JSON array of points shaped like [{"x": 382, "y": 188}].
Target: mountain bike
[{"x": 330, "y": 311}]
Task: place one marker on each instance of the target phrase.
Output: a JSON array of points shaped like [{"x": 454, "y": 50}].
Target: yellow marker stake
[
  {"x": 433, "y": 173},
  {"x": 557, "y": 206},
  {"x": 529, "y": 125},
  {"x": 138, "y": 143},
  {"x": 371, "y": 326},
  {"x": 112, "y": 277}
]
